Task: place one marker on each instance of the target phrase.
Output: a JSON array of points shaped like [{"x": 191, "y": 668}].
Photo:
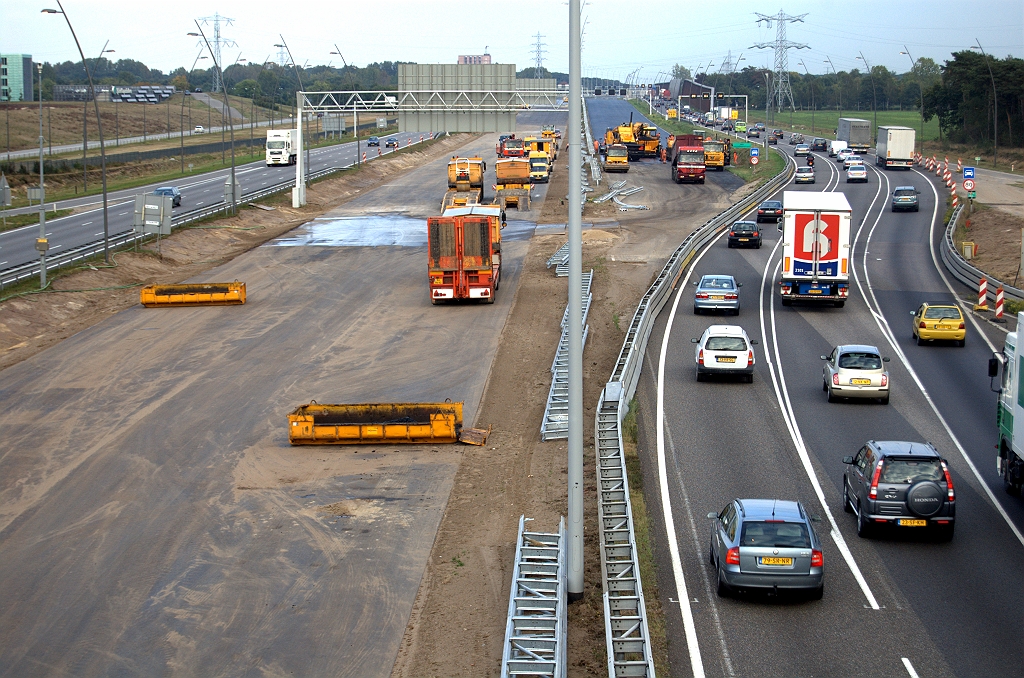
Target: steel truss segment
[{"x": 434, "y": 100}]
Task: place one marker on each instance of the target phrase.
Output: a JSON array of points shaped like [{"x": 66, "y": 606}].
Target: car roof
[
  {"x": 719, "y": 275},
  {"x": 726, "y": 331},
  {"x": 779, "y": 509},
  {"x": 166, "y": 188},
  {"x": 746, "y": 223},
  {"x": 772, "y": 202},
  {"x": 805, "y": 170},
  {"x": 940, "y": 304},
  {"x": 904, "y": 188},
  {"x": 903, "y": 448},
  {"x": 865, "y": 348}
]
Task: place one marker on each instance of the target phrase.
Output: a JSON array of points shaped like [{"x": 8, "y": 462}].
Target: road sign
[
  {"x": 754, "y": 159},
  {"x": 968, "y": 173},
  {"x": 972, "y": 195},
  {"x": 968, "y": 184},
  {"x": 754, "y": 152}
]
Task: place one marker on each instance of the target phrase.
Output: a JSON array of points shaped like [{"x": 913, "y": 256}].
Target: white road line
[
  {"x": 96, "y": 234},
  {"x": 2, "y": 263},
  {"x": 883, "y": 325},
  {"x": 910, "y": 668},
  {"x": 86, "y": 223}
]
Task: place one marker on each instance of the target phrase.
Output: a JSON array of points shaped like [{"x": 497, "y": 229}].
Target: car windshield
[
  {"x": 275, "y": 144},
  {"x": 942, "y": 313},
  {"x": 617, "y": 153},
  {"x": 904, "y": 192},
  {"x": 860, "y": 361},
  {"x": 710, "y": 283},
  {"x": 793, "y": 535},
  {"x": 726, "y": 344},
  {"x": 909, "y": 471}
]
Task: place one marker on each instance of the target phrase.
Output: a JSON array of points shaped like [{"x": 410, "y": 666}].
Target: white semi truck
[
  {"x": 282, "y": 146},
  {"x": 1010, "y": 411},
  {"x": 895, "y": 147},
  {"x": 815, "y": 247},
  {"x": 856, "y": 133}
]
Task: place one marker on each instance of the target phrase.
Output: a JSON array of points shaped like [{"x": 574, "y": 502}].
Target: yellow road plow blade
[
  {"x": 317, "y": 424},
  {"x": 194, "y": 294}
]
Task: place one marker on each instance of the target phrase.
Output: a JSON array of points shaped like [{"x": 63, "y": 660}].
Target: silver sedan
[
  {"x": 855, "y": 371},
  {"x": 717, "y": 293}
]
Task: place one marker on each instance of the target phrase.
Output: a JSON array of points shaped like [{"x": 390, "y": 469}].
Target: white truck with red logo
[{"x": 815, "y": 247}]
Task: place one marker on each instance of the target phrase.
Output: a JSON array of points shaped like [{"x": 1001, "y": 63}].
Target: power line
[
  {"x": 538, "y": 55},
  {"x": 780, "y": 93},
  {"x": 216, "y": 43}
]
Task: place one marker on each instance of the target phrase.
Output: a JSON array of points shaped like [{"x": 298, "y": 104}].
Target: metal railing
[
  {"x": 963, "y": 271},
  {"x": 130, "y": 238},
  {"x": 626, "y": 630},
  {"x": 555, "y": 424},
  {"x": 560, "y": 260},
  {"x": 535, "y": 633}
]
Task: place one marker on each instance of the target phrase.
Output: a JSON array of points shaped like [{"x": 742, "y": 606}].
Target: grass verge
[{"x": 19, "y": 220}]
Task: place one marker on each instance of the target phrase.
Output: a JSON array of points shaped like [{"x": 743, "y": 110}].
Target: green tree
[
  {"x": 248, "y": 88},
  {"x": 681, "y": 72}
]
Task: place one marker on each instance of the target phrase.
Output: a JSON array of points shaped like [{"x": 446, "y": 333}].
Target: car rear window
[
  {"x": 909, "y": 471},
  {"x": 860, "y": 361},
  {"x": 805, "y": 170},
  {"x": 793, "y": 535},
  {"x": 772, "y": 205},
  {"x": 904, "y": 191},
  {"x": 726, "y": 344},
  {"x": 942, "y": 312},
  {"x": 717, "y": 283},
  {"x": 744, "y": 227}
]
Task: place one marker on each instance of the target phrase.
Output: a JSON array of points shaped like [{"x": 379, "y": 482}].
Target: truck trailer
[
  {"x": 464, "y": 253},
  {"x": 856, "y": 133},
  {"x": 895, "y": 147},
  {"x": 513, "y": 183},
  {"x": 465, "y": 182},
  {"x": 282, "y": 146},
  {"x": 1010, "y": 412},
  {"x": 815, "y": 247}
]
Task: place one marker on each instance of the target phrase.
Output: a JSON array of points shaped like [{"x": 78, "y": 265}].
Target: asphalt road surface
[
  {"x": 893, "y": 604},
  {"x": 154, "y": 518}
]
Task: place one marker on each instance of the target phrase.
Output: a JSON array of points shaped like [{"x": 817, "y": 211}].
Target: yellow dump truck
[
  {"x": 616, "y": 158},
  {"x": 547, "y": 146},
  {"x": 316, "y": 424},
  {"x": 513, "y": 184},
  {"x": 714, "y": 155},
  {"x": 465, "y": 182},
  {"x": 193, "y": 294}
]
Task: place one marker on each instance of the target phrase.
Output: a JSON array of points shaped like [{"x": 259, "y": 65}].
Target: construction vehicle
[
  {"x": 464, "y": 253},
  {"x": 622, "y": 135},
  {"x": 548, "y": 132},
  {"x": 511, "y": 147},
  {"x": 513, "y": 185},
  {"x": 648, "y": 140},
  {"x": 688, "y": 161},
  {"x": 540, "y": 167},
  {"x": 193, "y": 294},
  {"x": 465, "y": 182},
  {"x": 616, "y": 158},
  {"x": 427, "y": 423},
  {"x": 546, "y": 146},
  {"x": 714, "y": 155}
]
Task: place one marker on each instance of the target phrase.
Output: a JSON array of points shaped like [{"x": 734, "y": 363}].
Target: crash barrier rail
[
  {"x": 560, "y": 260},
  {"x": 129, "y": 238},
  {"x": 588, "y": 151},
  {"x": 556, "y": 413},
  {"x": 535, "y": 633},
  {"x": 963, "y": 271},
  {"x": 625, "y": 614}
]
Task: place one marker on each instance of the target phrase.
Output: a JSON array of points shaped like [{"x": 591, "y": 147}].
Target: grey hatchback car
[
  {"x": 905, "y": 198},
  {"x": 767, "y": 545},
  {"x": 717, "y": 293},
  {"x": 855, "y": 371},
  {"x": 907, "y": 486}
]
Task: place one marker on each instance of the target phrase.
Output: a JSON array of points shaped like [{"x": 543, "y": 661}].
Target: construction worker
[{"x": 663, "y": 154}]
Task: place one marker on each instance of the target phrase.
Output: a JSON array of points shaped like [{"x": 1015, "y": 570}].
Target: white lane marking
[
  {"x": 2, "y": 263},
  {"x": 883, "y": 325},
  {"x": 96, "y": 234},
  {"x": 199, "y": 203},
  {"x": 909, "y": 667},
  {"x": 86, "y": 223},
  {"x": 782, "y": 395},
  {"x": 696, "y": 663}
]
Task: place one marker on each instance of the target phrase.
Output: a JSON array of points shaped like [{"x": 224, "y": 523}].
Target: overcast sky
[{"x": 619, "y": 36}]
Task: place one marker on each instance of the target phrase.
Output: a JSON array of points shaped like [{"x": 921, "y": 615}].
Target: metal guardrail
[
  {"x": 129, "y": 238},
  {"x": 560, "y": 260},
  {"x": 963, "y": 271},
  {"x": 626, "y": 630},
  {"x": 535, "y": 633},
  {"x": 555, "y": 424}
]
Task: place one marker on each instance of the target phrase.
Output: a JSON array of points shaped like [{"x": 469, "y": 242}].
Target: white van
[{"x": 834, "y": 147}]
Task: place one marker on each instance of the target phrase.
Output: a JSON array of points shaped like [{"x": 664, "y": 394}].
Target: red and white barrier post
[
  {"x": 982, "y": 294},
  {"x": 999, "y": 302},
  {"x": 959, "y": 166},
  {"x": 364, "y": 156}
]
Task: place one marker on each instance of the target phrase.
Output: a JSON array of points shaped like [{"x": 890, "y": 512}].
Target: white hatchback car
[{"x": 725, "y": 349}]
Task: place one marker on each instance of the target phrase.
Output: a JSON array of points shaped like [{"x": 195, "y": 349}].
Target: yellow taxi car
[{"x": 939, "y": 321}]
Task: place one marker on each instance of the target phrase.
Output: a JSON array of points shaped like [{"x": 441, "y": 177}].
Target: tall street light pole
[
  {"x": 811, "y": 83},
  {"x": 874, "y": 96},
  {"x": 181, "y": 123},
  {"x": 99, "y": 124},
  {"x": 839, "y": 88},
  {"x": 995, "y": 107},
  {"x": 298, "y": 76},
  {"x": 227, "y": 112},
  {"x": 252, "y": 111},
  {"x": 920, "y": 87},
  {"x": 41, "y": 243}
]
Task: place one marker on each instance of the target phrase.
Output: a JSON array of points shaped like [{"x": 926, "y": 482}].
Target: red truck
[
  {"x": 512, "y": 148},
  {"x": 687, "y": 156},
  {"x": 464, "y": 253}
]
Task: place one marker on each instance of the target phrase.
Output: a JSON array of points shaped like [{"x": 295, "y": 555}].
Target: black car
[
  {"x": 373, "y": 141},
  {"x": 769, "y": 210},
  {"x": 899, "y": 485},
  {"x": 171, "y": 191},
  {"x": 745, "y": 234},
  {"x": 777, "y": 132},
  {"x": 819, "y": 144},
  {"x": 391, "y": 142}
]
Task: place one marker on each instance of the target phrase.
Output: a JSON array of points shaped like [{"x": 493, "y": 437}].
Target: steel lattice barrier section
[
  {"x": 129, "y": 238},
  {"x": 535, "y": 633},
  {"x": 555, "y": 424},
  {"x": 626, "y": 631},
  {"x": 560, "y": 260}
]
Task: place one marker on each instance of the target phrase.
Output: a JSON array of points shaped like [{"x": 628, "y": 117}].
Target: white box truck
[
  {"x": 725, "y": 113},
  {"x": 815, "y": 247},
  {"x": 834, "y": 147},
  {"x": 282, "y": 146},
  {"x": 856, "y": 133},
  {"x": 895, "y": 147},
  {"x": 1010, "y": 413}
]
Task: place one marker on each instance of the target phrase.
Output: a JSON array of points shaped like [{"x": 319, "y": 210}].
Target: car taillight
[
  {"x": 835, "y": 379},
  {"x": 885, "y": 380},
  {"x": 732, "y": 295},
  {"x": 760, "y": 211},
  {"x": 702, "y": 295},
  {"x": 873, "y": 493},
  {"x": 750, "y": 357},
  {"x": 961, "y": 326},
  {"x": 922, "y": 325},
  {"x": 700, "y": 357},
  {"x": 949, "y": 483},
  {"x": 754, "y": 234},
  {"x": 732, "y": 232},
  {"x": 817, "y": 558},
  {"x": 732, "y": 556}
]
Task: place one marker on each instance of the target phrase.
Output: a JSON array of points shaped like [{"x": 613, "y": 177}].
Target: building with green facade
[{"x": 16, "y": 77}]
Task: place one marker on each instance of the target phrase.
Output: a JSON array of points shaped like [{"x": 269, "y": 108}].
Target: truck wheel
[
  {"x": 435, "y": 302},
  {"x": 1011, "y": 488},
  {"x": 840, "y": 304},
  {"x": 787, "y": 302}
]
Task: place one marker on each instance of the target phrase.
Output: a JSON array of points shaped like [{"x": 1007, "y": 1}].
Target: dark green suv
[{"x": 905, "y": 198}]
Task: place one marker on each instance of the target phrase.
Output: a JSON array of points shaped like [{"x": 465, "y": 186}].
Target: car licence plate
[
  {"x": 772, "y": 560},
  {"x": 861, "y": 382},
  {"x": 725, "y": 359},
  {"x": 912, "y": 522},
  {"x": 717, "y": 297},
  {"x": 813, "y": 291},
  {"x": 744, "y": 239}
]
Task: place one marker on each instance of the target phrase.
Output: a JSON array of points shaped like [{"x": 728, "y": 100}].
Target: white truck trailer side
[{"x": 895, "y": 147}]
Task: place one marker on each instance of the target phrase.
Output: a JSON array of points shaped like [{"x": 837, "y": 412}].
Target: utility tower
[
  {"x": 282, "y": 57},
  {"x": 217, "y": 42},
  {"x": 780, "y": 94},
  {"x": 538, "y": 55},
  {"x": 727, "y": 66}
]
